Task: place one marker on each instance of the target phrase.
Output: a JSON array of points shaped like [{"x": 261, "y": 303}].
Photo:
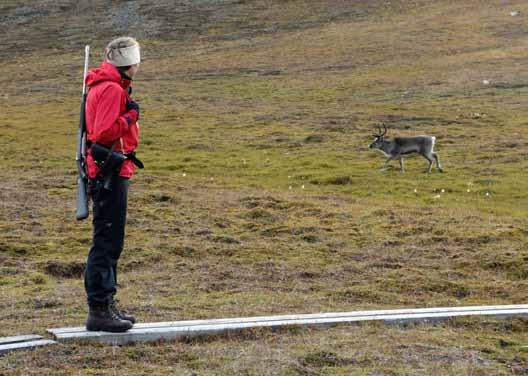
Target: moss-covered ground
[{"x": 260, "y": 195}]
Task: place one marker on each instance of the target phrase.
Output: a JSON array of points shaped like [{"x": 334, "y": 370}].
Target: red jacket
[{"x": 107, "y": 119}]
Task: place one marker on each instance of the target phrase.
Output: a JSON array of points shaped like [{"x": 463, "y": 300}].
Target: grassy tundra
[{"x": 260, "y": 195}]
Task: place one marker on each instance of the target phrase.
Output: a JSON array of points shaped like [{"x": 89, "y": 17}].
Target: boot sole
[{"x": 96, "y": 328}]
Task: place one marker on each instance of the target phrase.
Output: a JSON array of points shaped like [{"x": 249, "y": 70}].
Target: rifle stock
[
  {"x": 80, "y": 158},
  {"x": 82, "y": 199}
]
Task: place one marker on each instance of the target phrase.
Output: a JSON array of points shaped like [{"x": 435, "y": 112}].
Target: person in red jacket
[{"x": 111, "y": 121}]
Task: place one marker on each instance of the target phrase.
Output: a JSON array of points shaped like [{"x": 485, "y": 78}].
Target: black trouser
[{"x": 109, "y": 217}]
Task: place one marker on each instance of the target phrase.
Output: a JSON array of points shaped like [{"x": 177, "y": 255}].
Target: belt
[{"x": 131, "y": 156}]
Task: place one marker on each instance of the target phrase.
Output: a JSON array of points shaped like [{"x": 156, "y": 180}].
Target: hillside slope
[{"x": 260, "y": 195}]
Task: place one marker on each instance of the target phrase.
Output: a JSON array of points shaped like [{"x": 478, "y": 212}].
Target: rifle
[{"x": 80, "y": 158}]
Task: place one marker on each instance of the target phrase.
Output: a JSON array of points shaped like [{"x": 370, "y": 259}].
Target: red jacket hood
[{"x": 106, "y": 72}]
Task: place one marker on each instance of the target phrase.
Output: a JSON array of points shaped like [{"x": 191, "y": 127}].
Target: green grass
[{"x": 260, "y": 195}]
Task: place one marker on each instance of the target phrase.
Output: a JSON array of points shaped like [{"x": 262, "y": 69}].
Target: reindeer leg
[
  {"x": 438, "y": 165},
  {"x": 387, "y": 163},
  {"x": 401, "y": 164},
  {"x": 430, "y": 160}
]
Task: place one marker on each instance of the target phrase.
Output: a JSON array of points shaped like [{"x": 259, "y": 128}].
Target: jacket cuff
[{"x": 131, "y": 116}]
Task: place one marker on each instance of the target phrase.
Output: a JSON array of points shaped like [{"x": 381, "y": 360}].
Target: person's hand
[
  {"x": 132, "y": 114},
  {"x": 131, "y": 105}
]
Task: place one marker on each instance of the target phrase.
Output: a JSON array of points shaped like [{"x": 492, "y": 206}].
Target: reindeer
[{"x": 400, "y": 146}]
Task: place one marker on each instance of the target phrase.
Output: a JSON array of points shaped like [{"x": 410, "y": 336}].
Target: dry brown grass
[{"x": 252, "y": 100}]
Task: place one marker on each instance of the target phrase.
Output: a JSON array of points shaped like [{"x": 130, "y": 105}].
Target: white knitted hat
[{"x": 123, "y": 52}]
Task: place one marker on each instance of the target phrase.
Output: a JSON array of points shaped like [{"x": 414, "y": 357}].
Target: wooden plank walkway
[
  {"x": 8, "y": 344},
  {"x": 182, "y": 329}
]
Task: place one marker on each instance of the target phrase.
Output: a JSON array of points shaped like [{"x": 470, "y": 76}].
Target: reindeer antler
[{"x": 380, "y": 133}]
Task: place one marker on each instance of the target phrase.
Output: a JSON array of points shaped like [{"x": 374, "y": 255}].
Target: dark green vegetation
[{"x": 260, "y": 196}]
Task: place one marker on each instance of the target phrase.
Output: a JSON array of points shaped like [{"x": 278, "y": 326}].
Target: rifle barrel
[{"x": 86, "y": 59}]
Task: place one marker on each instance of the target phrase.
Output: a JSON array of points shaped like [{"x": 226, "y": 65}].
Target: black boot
[
  {"x": 121, "y": 314},
  {"x": 102, "y": 318}
]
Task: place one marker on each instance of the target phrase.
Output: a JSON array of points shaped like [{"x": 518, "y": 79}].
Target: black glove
[{"x": 131, "y": 105}]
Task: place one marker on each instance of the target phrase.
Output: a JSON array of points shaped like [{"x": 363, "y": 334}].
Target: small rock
[
  {"x": 41, "y": 303},
  {"x": 203, "y": 231},
  {"x": 225, "y": 239},
  {"x": 515, "y": 13},
  {"x": 315, "y": 138}
]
